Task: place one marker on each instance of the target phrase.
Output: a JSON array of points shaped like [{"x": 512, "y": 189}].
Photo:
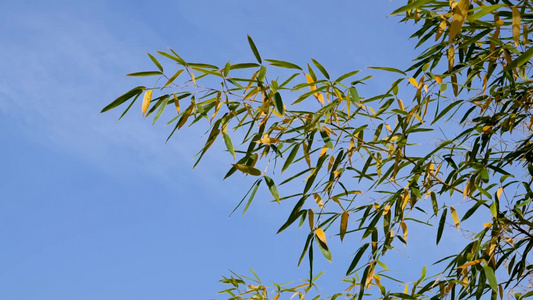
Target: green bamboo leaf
[
  {"x": 136, "y": 91},
  {"x": 472, "y": 210},
  {"x": 413, "y": 5},
  {"x": 295, "y": 213},
  {"x": 272, "y": 187},
  {"x": 356, "y": 258},
  {"x": 326, "y": 139},
  {"x": 321, "y": 68},
  {"x": 520, "y": 60},
  {"x": 145, "y": 73},
  {"x": 324, "y": 249},
  {"x": 162, "y": 107},
  {"x": 252, "y": 195},
  {"x": 279, "y": 103},
  {"x": 171, "y": 79},
  {"x": 489, "y": 273},
  {"x": 290, "y": 158},
  {"x": 243, "y": 66},
  {"x": 158, "y": 65},
  {"x": 484, "y": 10},
  {"x": 283, "y": 64},
  {"x": 254, "y": 49},
  {"x": 355, "y": 95},
  {"x": 388, "y": 69},
  {"x": 347, "y": 75},
  {"x": 441, "y": 225},
  {"x": 229, "y": 144},
  {"x": 307, "y": 243}
]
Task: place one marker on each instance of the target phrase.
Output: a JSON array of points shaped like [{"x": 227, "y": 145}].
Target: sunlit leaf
[
  {"x": 247, "y": 169},
  {"x": 254, "y": 49},
  {"x": 146, "y": 101}
]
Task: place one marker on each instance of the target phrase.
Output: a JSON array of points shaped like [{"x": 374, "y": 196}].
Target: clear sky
[{"x": 95, "y": 209}]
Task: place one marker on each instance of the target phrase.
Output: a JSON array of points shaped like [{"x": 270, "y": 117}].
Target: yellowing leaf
[
  {"x": 321, "y": 235},
  {"x": 460, "y": 11},
  {"x": 413, "y": 82},
  {"x": 404, "y": 229},
  {"x": 247, "y": 169},
  {"x": 516, "y": 26},
  {"x": 146, "y": 101},
  {"x": 192, "y": 77},
  {"x": 400, "y": 104},
  {"x": 487, "y": 225},
  {"x": 440, "y": 31},
  {"x": 386, "y": 210},
  {"x": 318, "y": 200},
  {"x": 344, "y": 223},
  {"x": 312, "y": 87},
  {"x": 451, "y": 58},
  {"x": 177, "y": 103},
  {"x": 438, "y": 79},
  {"x": 499, "y": 192},
  {"x": 267, "y": 140},
  {"x": 471, "y": 263},
  {"x": 311, "y": 217},
  {"x": 455, "y": 217}
]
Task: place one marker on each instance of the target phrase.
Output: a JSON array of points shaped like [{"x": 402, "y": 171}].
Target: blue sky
[{"x": 95, "y": 209}]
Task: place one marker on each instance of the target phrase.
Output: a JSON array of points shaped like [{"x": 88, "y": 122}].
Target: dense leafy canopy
[{"x": 372, "y": 166}]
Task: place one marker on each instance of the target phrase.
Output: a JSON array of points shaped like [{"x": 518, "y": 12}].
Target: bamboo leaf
[
  {"x": 441, "y": 225},
  {"x": 229, "y": 144},
  {"x": 279, "y": 104},
  {"x": 388, "y": 69},
  {"x": 344, "y": 223},
  {"x": 254, "y": 49},
  {"x": 146, "y": 73},
  {"x": 356, "y": 258},
  {"x": 413, "y": 5},
  {"x": 455, "y": 217},
  {"x": 247, "y": 169},
  {"x": 252, "y": 195},
  {"x": 491, "y": 277},
  {"x": 321, "y": 68},
  {"x": 128, "y": 95},
  {"x": 155, "y": 62},
  {"x": 146, "y": 101},
  {"x": 272, "y": 188},
  {"x": 283, "y": 64}
]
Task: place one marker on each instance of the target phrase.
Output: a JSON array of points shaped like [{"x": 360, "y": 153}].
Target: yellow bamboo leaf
[
  {"x": 331, "y": 161},
  {"x": 406, "y": 288},
  {"x": 177, "y": 103},
  {"x": 388, "y": 128},
  {"x": 451, "y": 58},
  {"x": 460, "y": 11},
  {"x": 413, "y": 82},
  {"x": 192, "y": 77},
  {"x": 471, "y": 263},
  {"x": 440, "y": 30},
  {"x": 400, "y": 104},
  {"x": 312, "y": 87},
  {"x": 455, "y": 217},
  {"x": 146, "y": 101},
  {"x": 276, "y": 297},
  {"x": 267, "y": 140},
  {"x": 499, "y": 192},
  {"x": 311, "y": 217},
  {"x": 323, "y": 151},
  {"x": 438, "y": 79},
  {"x": 516, "y": 26},
  {"x": 376, "y": 206},
  {"x": 321, "y": 235},
  {"x": 386, "y": 210},
  {"x": 318, "y": 200},
  {"x": 344, "y": 223},
  {"x": 405, "y": 198},
  {"x": 487, "y": 225},
  {"x": 247, "y": 169},
  {"x": 404, "y": 229},
  {"x": 306, "y": 154}
]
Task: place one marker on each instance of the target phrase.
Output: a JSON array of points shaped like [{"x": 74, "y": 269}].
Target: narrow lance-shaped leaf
[
  {"x": 125, "y": 97},
  {"x": 247, "y": 169},
  {"x": 145, "y": 73},
  {"x": 441, "y": 225},
  {"x": 321, "y": 68},
  {"x": 356, "y": 258},
  {"x": 491, "y": 277},
  {"x": 344, "y": 224},
  {"x": 254, "y": 49},
  {"x": 279, "y": 104},
  {"x": 516, "y": 25},
  {"x": 272, "y": 188},
  {"x": 146, "y": 101},
  {"x": 252, "y": 195},
  {"x": 455, "y": 217},
  {"x": 413, "y": 5},
  {"x": 460, "y": 13},
  {"x": 155, "y": 62},
  {"x": 229, "y": 144}
]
